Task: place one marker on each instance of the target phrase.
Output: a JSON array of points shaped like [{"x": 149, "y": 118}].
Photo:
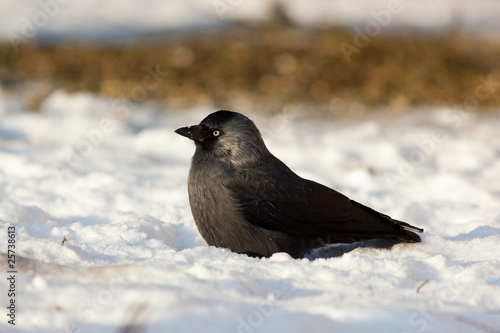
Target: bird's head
[{"x": 227, "y": 135}]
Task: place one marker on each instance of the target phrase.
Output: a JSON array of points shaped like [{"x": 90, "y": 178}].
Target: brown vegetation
[{"x": 268, "y": 67}]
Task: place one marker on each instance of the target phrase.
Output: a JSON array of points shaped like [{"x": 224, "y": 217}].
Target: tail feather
[
  {"x": 406, "y": 225},
  {"x": 410, "y": 236},
  {"x": 405, "y": 233}
]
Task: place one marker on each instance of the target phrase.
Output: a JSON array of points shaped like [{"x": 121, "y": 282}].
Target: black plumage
[{"x": 245, "y": 199}]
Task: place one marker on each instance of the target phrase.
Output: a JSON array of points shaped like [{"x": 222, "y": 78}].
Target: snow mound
[{"x": 105, "y": 240}]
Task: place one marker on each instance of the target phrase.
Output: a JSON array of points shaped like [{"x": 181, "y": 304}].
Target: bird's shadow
[{"x": 338, "y": 250}]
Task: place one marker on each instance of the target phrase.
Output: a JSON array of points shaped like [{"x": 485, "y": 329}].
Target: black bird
[{"x": 245, "y": 199}]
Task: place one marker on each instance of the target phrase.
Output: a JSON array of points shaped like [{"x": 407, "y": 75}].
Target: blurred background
[
  {"x": 392, "y": 103},
  {"x": 321, "y": 56}
]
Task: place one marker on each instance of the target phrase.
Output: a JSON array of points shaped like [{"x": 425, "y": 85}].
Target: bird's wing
[{"x": 273, "y": 197}]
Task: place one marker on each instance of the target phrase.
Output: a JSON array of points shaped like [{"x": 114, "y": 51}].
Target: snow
[
  {"x": 24, "y": 20},
  {"x": 113, "y": 183}
]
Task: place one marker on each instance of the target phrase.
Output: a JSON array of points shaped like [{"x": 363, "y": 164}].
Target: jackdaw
[{"x": 245, "y": 199}]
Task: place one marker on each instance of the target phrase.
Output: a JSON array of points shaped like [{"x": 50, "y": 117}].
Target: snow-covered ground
[
  {"x": 25, "y": 20},
  {"x": 111, "y": 179}
]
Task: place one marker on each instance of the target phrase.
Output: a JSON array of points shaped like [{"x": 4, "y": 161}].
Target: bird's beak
[{"x": 195, "y": 132}]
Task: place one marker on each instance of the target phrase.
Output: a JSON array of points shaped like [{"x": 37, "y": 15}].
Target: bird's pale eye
[{"x": 216, "y": 133}]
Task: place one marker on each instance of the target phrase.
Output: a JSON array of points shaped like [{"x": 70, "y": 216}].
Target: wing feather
[{"x": 285, "y": 202}]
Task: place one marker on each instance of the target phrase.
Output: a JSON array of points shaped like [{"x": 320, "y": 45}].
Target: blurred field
[{"x": 265, "y": 68}]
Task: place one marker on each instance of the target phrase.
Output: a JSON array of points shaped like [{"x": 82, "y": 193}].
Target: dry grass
[{"x": 268, "y": 67}]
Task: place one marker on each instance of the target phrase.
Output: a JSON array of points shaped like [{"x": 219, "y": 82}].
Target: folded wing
[{"x": 283, "y": 201}]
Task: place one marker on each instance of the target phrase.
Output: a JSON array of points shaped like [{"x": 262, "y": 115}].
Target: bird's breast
[{"x": 215, "y": 211}]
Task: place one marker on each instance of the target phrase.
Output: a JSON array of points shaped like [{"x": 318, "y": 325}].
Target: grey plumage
[{"x": 245, "y": 199}]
